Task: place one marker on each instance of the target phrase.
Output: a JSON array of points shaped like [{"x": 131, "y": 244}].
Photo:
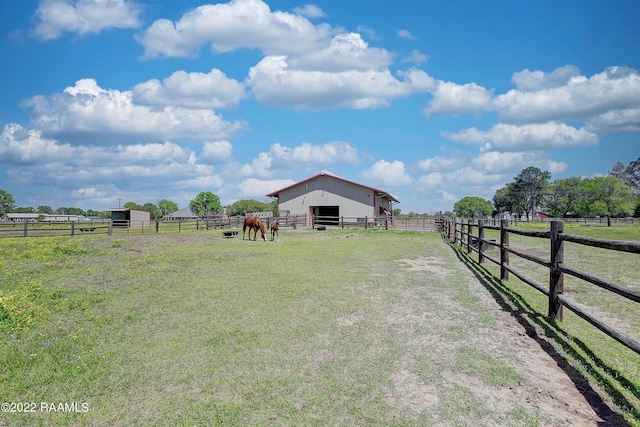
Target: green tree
[
  {"x": 530, "y": 187},
  {"x": 507, "y": 200},
  {"x": 243, "y": 207},
  {"x": 7, "y": 203},
  {"x": 629, "y": 174},
  {"x": 167, "y": 206},
  {"x": 45, "y": 209},
  {"x": 153, "y": 209},
  {"x": 472, "y": 207},
  {"x": 76, "y": 211},
  {"x": 564, "y": 197},
  {"x": 205, "y": 203},
  {"x": 24, "y": 209},
  {"x": 131, "y": 205},
  {"x": 633, "y": 175},
  {"x": 606, "y": 196}
]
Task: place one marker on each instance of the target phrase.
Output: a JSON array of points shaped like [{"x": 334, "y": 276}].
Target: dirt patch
[
  {"x": 430, "y": 264},
  {"x": 547, "y": 391}
]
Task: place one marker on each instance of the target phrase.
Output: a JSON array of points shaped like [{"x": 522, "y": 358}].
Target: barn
[
  {"x": 328, "y": 195},
  {"x": 132, "y": 218}
]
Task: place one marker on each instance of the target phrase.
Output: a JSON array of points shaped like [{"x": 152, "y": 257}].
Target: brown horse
[
  {"x": 274, "y": 230},
  {"x": 253, "y": 222}
]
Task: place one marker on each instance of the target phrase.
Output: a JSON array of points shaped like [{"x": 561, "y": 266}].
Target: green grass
[
  {"x": 318, "y": 328},
  {"x": 615, "y": 368}
]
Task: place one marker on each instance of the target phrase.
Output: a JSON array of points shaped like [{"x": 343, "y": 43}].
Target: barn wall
[
  {"x": 355, "y": 201},
  {"x": 139, "y": 218}
]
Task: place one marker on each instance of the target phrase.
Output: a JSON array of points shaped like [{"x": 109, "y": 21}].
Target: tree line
[
  {"x": 205, "y": 203},
  {"x": 614, "y": 195}
]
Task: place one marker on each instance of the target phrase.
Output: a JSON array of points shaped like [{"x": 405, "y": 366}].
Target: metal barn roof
[{"x": 380, "y": 193}]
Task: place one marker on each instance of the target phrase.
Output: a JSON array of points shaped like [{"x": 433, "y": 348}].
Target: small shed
[
  {"x": 132, "y": 218},
  {"x": 327, "y": 195}
]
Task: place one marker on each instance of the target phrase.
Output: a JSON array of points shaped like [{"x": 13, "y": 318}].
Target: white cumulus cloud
[
  {"x": 388, "y": 173},
  {"x": 329, "y": 153},
  {"x": 310, "y": 11},
  {"x": 273, "y": 83},
  {"x": 233, "y": 25},
  {"x": 527, "y": 80},
  {"x": 508, "y": 137},
  {"x": 581, "y": 98},
  {"x": 439, "y": 163},
  {"x": 54, "y": 17},
  {"x": 451, "y": 99},
  {"x": 212, "y": 90},
  {"x": 216, "y": 151},
  {"x": 495, "y": 162},
  {"x": 92, "y": 114}
]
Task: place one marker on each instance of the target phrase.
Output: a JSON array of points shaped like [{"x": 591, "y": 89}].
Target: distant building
[
  {"x": 183, "y": 214},
  {"x": 541, "y": 215},
  {"x": 261, "y": 214},
  {"x": 132, "y": 218},
  {"x": 327, "y": 195},
  {"x": 41, "y": 217}
]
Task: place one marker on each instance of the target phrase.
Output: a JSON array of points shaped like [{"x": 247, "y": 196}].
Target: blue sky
[{"x": 108, "y": 101}]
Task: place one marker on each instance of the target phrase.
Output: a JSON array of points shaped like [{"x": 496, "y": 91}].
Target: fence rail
[
  {"x": 388, "y": 222},
  {"x": 352, "y": 222},
  {"x": 461, "y": 232},
  {"x": 117, "y": 227}
]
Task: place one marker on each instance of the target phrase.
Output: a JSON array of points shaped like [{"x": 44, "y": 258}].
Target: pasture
[{"x": 337, "y": 327}]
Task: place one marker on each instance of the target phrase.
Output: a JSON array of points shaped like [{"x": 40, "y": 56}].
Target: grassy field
[
  {"x": 318, "y": 328},
  {"x": 614, "y": 367}
]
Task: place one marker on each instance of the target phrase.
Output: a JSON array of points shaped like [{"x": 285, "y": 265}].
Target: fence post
[
  {"x": 157, "y": 226},
  {"x": 455, "y": 230},
  {"x": 110, "y": 228},
  {"x": 25, "y": 228},
  {"x": 469, "y": 233},
  {"x": 556, "y": 277},
  {"x": 504, "y": 243},
  {"x": 480, "y": 242},
  {"x": 73, "y": 229},
  {"x": 452, "y": 229}
]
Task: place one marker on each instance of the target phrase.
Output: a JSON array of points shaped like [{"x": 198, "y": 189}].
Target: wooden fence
[
  {"x": 121, "y": 227},
  {"x": 351, "y": 222},
  {"x": 387, "y": 222},
  {"x": 461, "y": 232}
]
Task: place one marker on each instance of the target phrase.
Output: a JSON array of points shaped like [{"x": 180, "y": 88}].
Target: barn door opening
[{"x": 328, "y": 215}]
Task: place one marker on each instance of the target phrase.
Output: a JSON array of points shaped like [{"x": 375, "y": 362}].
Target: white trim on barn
[{"x": 329, "y": 195}]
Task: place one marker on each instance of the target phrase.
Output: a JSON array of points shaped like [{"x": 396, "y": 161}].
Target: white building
[
  {"x": 41, "y": 217},
  {"x": 327, "y": 195}
]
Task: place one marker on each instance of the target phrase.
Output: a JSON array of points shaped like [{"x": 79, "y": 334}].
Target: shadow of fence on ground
[{"x": 607, "y": 377}]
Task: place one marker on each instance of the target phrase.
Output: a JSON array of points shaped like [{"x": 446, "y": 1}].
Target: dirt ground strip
[{"x": 547, "y": 388}]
